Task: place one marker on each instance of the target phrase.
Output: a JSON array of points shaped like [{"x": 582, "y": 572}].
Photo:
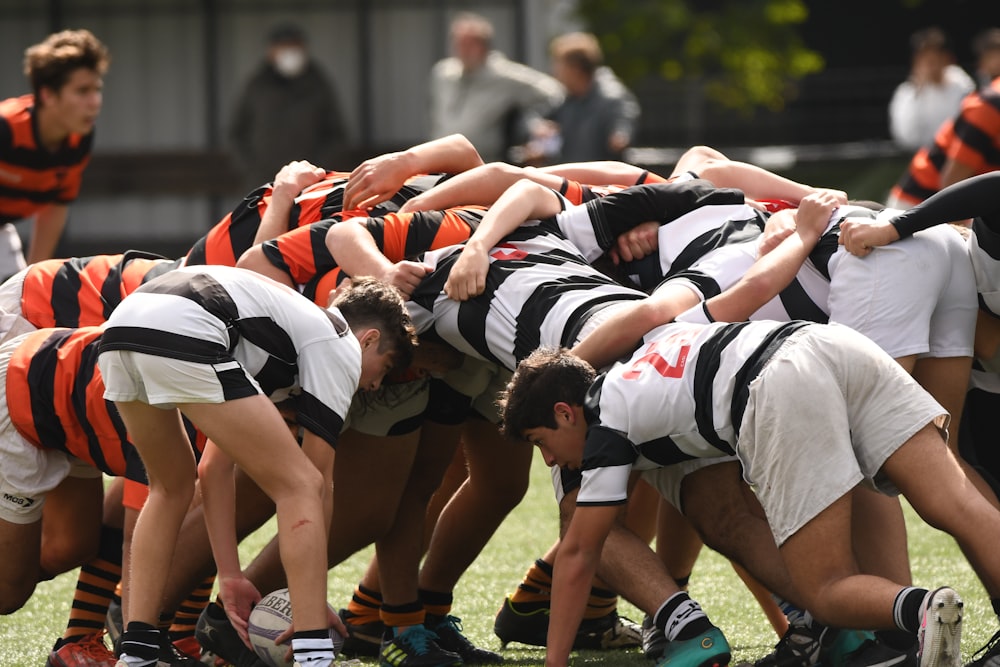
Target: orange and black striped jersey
[
  {"x": 972, "y": 139},
  {"x": 304, "y": 256},
  {"x": 577, "y": 193},
  {"x": 82, "y": 291},
  {"x": 235, "y": 233},
  {"x": 55, "y": 395},
  {"x": 31, "y": 177}
]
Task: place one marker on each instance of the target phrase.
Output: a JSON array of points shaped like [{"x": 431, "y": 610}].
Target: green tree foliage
[{"x": 747, "y": 53}]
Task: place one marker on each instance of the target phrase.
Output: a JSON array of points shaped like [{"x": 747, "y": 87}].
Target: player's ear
[
  {"x": 563, "y": 412},
  {"x": 369, "y": 337}
]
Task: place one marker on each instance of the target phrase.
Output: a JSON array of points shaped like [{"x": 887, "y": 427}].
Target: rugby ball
[{"x": 269, "y": 618}]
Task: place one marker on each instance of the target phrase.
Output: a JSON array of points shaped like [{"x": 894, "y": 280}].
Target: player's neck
[{"x": 52, "y": 133}]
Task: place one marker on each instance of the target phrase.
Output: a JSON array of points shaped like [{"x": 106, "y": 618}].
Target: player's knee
[
  {"x": 66, "y": 553},
  {"x": 14, "y": 594}
]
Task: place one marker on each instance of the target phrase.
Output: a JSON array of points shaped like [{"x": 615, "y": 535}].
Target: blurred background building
[{"x": 162, "y": 172}]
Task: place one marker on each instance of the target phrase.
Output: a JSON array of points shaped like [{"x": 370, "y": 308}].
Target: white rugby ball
[{"x": 269, "y": 618}]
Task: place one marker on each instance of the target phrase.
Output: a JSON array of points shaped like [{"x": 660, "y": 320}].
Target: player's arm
[
  {"x": 376, "y": 180},
  {"x": 772, "y": 272},
  {"x": 256, "y": 260},
  {"x": 322, "y": 454},
  {"x": 757, "y": 182},
  {"x": 288, "y": 183},
  {"x": 523, "y": 201},
  {"x": 481, "y": 186},
  {"x": 619, "y": 334},
  {"x": 970, "y": 198},
  {"x": 216, "y": 472},
  {"x": 46, "y": 232},
  {"x": 356, "y": 252},
  {"x": 601, "y": 172},
  {"x": 575, "y": 566}
]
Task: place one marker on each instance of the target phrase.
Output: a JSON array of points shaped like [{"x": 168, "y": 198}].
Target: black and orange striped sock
[
  {"x": 436, "y": 604},
  {"x": 600, "y": 603},
  {"x": 187, "y": 614},
  {"x": 364, "y": 606},
  {"x": 403, "y": 615},
  {"x": 95, "y": 587},
  {"x": 535, "y": 590}
]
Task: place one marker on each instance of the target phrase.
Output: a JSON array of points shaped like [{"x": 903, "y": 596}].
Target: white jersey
[
  {"x": 540, "y": 290},
  {"x": 681, "y": 396},
  {"x": 213, "y": 314}
]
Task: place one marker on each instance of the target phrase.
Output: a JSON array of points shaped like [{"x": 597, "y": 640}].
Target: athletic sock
[
  {"x": 140, "y": 645},
  {"x": 95, "y": 587},
  {"x": 313, "y": 648},
  {"x": 907, "y": 609},
  {"x": 535, "y": 590},
  {"x": 799, "y": 618},
  {"x": 364, "y": 606},
  {"x": 436, "y": 603},
  {"x": 681, "y": 618},
  {"x": 600, "y": 603},
  {"x": 187, "y": 614},
  {"x": 403, "y": 615},
  {"x": 682, "y": 582}
]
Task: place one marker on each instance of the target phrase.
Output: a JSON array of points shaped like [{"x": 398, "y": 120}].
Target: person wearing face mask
[{"x": 288, "y": 110}]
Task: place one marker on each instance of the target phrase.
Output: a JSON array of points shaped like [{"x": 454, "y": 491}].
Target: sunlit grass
[{"x": 27, "y": 636}]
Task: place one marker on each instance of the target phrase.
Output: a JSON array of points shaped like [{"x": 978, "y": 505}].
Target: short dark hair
[
  {"x": 50, "y": 63},
  {"x": 372, "y": 303},
  {"x": 545, "y": 377}
]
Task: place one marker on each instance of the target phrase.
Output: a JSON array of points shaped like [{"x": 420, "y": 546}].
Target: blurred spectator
[
  {"x": 986, "y": 46},
  {"x": 597, "y": 120},
  {"x": 478, "y": 92},
  {"x": 288, "y": 110},
  {"x": 45, "y": 141},
  {"x": 966, "y": 146},
  {"x": 932, "y": 93}
]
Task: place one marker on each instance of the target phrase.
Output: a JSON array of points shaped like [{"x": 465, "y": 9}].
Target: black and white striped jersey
[
  {"x": 805, "y": 298},
  {"x": 214, "y": 314},
  {"x": 540, "y": 290},
  {"x": 680, "y": 396}
]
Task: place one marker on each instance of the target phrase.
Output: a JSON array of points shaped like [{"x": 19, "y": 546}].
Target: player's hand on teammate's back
[
  {"x": 375, "y": 180},
  {"x": 296, "y": 176},
  {"x": 406, "y": 275},
  {"x": 467, "y": 277},
  {"x": 860, "y": 236}
]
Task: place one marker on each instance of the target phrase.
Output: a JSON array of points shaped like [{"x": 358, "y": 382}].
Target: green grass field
[{"x": 27, "y": 635}]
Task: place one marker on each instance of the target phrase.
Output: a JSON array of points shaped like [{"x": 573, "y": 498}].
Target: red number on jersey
[
  {"x": 508, "y": 252},
  {"x": 658, "y": 362}
]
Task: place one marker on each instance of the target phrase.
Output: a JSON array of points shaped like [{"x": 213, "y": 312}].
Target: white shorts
[
  {"x": 480, "y": 381},
  {"x": 12, "y": 322},
  {"x": 28, "y": 472},
  {"x": 915, "y": 296},
  {"x": 395, "y": 409},
  {"x": 667, "y": 480},
  {"x": 165, "y": 383},
  {"x": 802, "y": 448}
]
